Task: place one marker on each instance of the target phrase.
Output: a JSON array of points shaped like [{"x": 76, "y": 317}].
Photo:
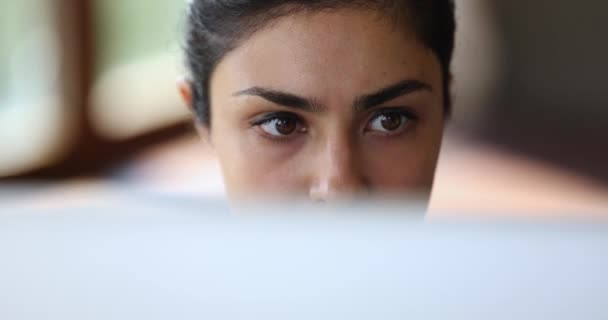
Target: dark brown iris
[
  {"x": 286, "y": 126},
  {"x": 391, "y": 122}
]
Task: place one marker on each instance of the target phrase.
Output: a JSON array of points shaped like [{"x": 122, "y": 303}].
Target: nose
[{"x": 338, "y": 173}]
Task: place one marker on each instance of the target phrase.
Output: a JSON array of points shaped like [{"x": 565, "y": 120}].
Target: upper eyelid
[
  {"x": 402, "y": 110},
  {"x": 374, "y": 113},
  {"x": 267, "y": 117}
]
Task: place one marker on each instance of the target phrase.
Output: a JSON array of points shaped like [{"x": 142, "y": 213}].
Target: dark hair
[{"x": 215, "y": 27}]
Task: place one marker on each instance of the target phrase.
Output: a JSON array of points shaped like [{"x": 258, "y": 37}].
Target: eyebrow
[
  {"x": 283, "y": 99},
  {"x": 362, "y": 103},
  {"x": 389, "y": 93}
]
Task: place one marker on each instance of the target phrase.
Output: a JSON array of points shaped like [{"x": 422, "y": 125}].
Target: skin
[{"x": 340, "y": 78}]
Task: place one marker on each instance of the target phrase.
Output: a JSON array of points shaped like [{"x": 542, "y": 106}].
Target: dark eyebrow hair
[
  {"x": 389, "y": 93},
  {"x": 362, "y": 103},
  {"x": 283, "y": 99}
]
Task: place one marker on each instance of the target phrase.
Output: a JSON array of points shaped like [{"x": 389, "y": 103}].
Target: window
[
  {"x": 86, "y": 84},
  {"x": 32, "y": 117},
  {"x": 137, "y": 63}
]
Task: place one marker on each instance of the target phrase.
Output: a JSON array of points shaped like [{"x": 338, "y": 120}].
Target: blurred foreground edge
[{"x": 166, "y": 262}]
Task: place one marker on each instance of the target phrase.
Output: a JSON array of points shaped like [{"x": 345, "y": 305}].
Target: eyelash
[
  {"x": 270, "y": 117},
  {"x": 410, "y": 115}
]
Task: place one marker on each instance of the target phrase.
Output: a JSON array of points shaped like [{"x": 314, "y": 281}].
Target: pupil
[
  {"x": 285, "y": 126},
  {"x": 391, "y": 122}
]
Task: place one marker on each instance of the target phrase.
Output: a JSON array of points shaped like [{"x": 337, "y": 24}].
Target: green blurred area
[
  {"x": 17, "y": 19},
  {"x": 127, "y": 31}
]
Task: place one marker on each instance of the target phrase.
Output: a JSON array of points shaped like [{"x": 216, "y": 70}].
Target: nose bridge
[
  {"x": 339, "y": 173},
  {"x": 340, "y": 158}
]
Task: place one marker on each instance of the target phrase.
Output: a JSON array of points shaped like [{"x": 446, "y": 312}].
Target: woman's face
[{"x": 328, "y": 105}]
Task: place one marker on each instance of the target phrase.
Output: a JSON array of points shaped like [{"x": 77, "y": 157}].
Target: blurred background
[{"x": 88, "y": 103}]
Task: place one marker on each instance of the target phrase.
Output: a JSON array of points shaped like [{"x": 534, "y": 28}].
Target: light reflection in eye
[
  {"x": 280, "y": 125},
  {"x": 389, "y": 122}
]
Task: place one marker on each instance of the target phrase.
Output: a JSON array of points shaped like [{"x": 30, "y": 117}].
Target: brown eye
[
  {"x": 281, "y": 125},
  {"x": 388, "y": 122},
  {"x": 285, "y": 126},
  {"x": 391, "y": 122}
]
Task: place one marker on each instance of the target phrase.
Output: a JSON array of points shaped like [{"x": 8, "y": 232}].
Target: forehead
[{"x": 327, "y": 54}]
